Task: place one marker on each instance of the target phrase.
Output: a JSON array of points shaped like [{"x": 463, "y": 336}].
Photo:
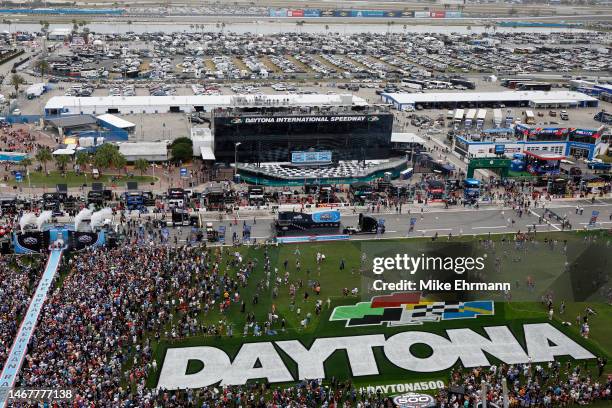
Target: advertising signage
[
  {"x": 295, "y": 13},
  {"x": 303, "y": 119},
  {"x": 342, "y": 13},
  {"x": 421, "y": 14},
  {"x": 312, "y": 13},
  {"x": 362, "y": 13},
  {"x": 452, "y": 14},
  {"x": 367, "y": 13},
  {"x": 395, "y": 13},
  {"x": 278, "y": 12},
  {"x": 437, "y": 14}
]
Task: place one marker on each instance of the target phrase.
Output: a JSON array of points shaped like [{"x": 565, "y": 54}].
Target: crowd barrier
[{"x": 311, "y": 238}]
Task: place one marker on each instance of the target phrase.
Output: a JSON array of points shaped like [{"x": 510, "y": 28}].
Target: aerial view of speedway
[{"x": 305, "y": 204}]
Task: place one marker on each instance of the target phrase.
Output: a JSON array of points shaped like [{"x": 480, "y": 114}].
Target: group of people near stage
[
  {"x": 100, "y": 324},
  {"x": 18, "y": 279}
]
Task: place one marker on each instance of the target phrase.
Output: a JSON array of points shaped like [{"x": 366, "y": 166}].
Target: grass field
[
  {"x": 40, "y": 179},
  {"x": 545, "y": 264}
]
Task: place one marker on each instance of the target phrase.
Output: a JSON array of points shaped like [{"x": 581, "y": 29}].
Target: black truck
[{"x": 367, "y": 225}]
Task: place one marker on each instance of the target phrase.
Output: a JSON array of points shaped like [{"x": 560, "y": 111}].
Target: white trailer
[
  {"x": 35, "y": 90},
  {"x": 459, "y": 116},
  {"x": 481, "y": 117},
  {"x": 509, "y": 117},
  {"x": 497, "y": 117},
  {"x": 469, "y": 117}
]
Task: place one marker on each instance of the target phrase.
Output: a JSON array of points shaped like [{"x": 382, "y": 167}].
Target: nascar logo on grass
[{"x": 400, "y": 309}]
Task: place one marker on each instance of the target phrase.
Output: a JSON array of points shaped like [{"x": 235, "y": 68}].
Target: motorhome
[
  {"x": 459, "y": 116},
  {"x": 481, "y": 117},
  {"x": 469, "y": 117},
  {"x": 497, "y": 117}
]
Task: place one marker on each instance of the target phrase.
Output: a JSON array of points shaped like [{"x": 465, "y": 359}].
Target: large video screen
[{"x": 311, "y": 157}]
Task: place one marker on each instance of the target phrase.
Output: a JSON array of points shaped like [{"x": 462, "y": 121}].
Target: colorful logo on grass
[
  {"x": 414, "y": 400},
  {"x": 399, "y": 309}
]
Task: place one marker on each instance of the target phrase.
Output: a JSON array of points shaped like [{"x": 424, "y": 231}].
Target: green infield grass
[
  {"x": 72, "y": 179},
  {"x": 552, "y": 267}
]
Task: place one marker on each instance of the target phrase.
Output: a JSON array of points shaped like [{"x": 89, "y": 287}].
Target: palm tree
[
  {"x": 82, "y": 159},
  {"x": 61, "y": 160},
  {"x": 44, "y": 155},
  {"x": 27, "y": 162},
  {"x": 43, "y": 66},
  {"x": 142, "y": 165},
  {"x": 118, "y": 160},
  {"x": 16, "y": 80}
]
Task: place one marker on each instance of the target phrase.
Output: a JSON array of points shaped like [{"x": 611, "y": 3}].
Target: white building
[
  {"x": 98, "y": 105},
  {"x": 203, "y": 143},
  {"x": 150, "y": 151},
  {"x": 59, "y": 34},
  {"x": 408, "y": 101}
]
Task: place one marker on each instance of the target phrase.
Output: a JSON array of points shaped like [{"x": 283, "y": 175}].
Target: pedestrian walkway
[{"x": 28, "y": 325}]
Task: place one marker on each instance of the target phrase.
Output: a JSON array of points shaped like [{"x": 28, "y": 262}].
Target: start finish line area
[{"x": 28, "y": 325}]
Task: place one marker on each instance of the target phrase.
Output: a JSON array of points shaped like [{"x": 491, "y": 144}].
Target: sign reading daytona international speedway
[
  {"x": 543, "y": 342},
  {"x": 304, "y": 119}
]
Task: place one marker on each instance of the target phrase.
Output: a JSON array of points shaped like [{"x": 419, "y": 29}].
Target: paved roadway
[{"x": 457, "y": 221}]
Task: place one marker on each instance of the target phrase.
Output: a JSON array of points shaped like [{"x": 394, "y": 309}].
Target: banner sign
[
  {"x": 278, "y": 12},
  {"x": 82, "y": 240},
  {"x": 437, "y": 14},
  {"x": 421, "y": 14},
  {"x": 312, "y": 13},
  {"x": 304, "y": 119},
  {"x": 367, "y": 13},
  {"x": 595, "y": 133},
  {"x": 326, "y": 216},
  {"x": 353, "y": 13},
  {"x": 452, "y": 14},
  {"x": 295, "y": 13},
  {"x": 31, "y": 241}
]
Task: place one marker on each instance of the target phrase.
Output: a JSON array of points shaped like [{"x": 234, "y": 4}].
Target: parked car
[{"x": 598, "y": 164}]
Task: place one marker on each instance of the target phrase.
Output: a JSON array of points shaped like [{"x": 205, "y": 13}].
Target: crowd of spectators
[
  {"x": 98, "y": 331},
  {"x": 18, "y": 279},
  {"x": 552, "y": 384},
  {"x": 95, "y": 332}
]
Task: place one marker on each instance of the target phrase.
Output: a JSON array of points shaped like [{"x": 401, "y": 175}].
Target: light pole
[{"x": 236, "y": 157}]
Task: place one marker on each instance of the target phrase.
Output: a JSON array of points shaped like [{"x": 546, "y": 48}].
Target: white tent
[{"x": 61, "y": 152}]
